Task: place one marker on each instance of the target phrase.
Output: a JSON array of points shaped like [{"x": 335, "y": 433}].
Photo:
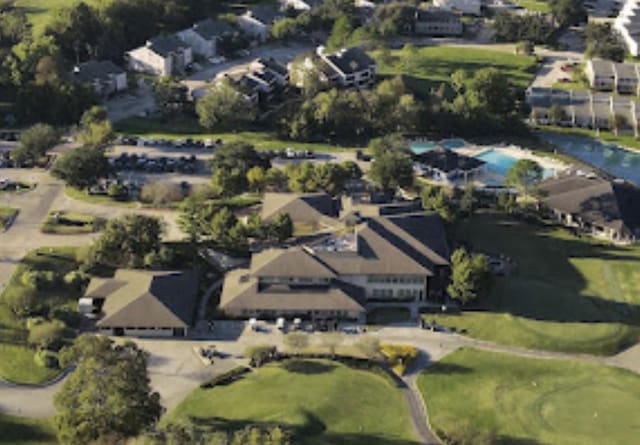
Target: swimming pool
[
  {"x": 611, "y": 158},
  {"x": 419, "y": 147},
  {"x": 422, "y": 147},
  {"x": 500, "y": 163}
]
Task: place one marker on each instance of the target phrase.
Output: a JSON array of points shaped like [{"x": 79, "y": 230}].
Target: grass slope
[
  {"x": 434, "y": 66},
  {"x": 329, "y": 402},
  {"x": 40, "y": 12},
  {"x": 21, "y": 431},
  {"x": 529, "y": 401},
  {"x": 6, "y": 213},
  {"x": 567, "y": 294}
]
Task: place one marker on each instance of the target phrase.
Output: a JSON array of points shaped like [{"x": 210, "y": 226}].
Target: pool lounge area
[{"x": 498, "y": 160}]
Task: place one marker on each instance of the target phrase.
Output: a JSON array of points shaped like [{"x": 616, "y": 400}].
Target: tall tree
[
  {"x": 35, "y": 142},
  {"x": 469, "y": 275},
  {"x": 82, "y": 167},
  {"x": 108, "y": 394},
  {"x": 392, "y": 166},
  {"x": 224, "y": 106},
  {"x": 524, "y": 174}
]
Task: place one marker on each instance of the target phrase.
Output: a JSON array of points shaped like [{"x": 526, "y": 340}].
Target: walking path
[{"x": 417, "y": 405}]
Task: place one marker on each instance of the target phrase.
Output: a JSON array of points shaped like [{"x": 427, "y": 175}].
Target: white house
[
  {"x": 256, "y": 22},
  {"x": 204, "y": 36},
  {"x": 161, "y": 56},
  {"x": 350, "y": 67},
  {"x": 300, "y": 5},
  {"x": 471, "y": 7},
  {"x": 105, "y": 77}
]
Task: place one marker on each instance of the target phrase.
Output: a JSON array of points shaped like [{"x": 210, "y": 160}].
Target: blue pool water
[
  {"x": 450, "y": 144},
  {"x": 500, "y": 163},
  {"x": 611, "y": 158},
  {"x": 422, "y": 147}
]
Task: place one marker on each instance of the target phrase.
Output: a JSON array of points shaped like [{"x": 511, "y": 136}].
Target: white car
[{"x": 217, "y": 60}]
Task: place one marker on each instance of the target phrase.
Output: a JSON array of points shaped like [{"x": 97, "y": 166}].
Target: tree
[
  {"x": 127, "y": 240},
  {"x": 439, "y": 200},
  {"x": 228, "y": 183},
  {"x": 525, "y": 47},
  {"x": 109, "y": 393},
  {"x": 603, "y": 42},
  {"x": 35, "y": 142},
  {"x": 221, "y": 224},
  {"x": 468, "y": 200},
  {"x": 276, "y": 179},
  {"x": 284, "y": 29},
  {"x": 340, "y": 34},
  {"x": 281, "y": 227},
  {"x": 95, "y": 128},
  {"x": 21, "y": 301},
  {"x": 507, "y": 202},
  {"x": 224, "y": 107},
  {"x": 409, "y": 57},
  {"x": 568, "y": 12},
  {"x": 82, "y": 167},
  {"x": 257, "y": 179},
  {"x": 331, "y": 341},
  {"x": 392, "y": 166},
  {"x": 524, "y": 174},
  {"x": 171, "y": 96},
  {"x": 296, "y": 341},
  {"x": 161, "y": 192},
  {"x": 619, "y": 122},
  {"x": 469, "y": 275}
]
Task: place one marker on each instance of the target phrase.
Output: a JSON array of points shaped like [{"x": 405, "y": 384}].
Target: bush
[
  {"x": 117, "y": 191},
  {"x": 47, "y": 334},
  {"x": 40, "y": 280},
  {"x": 399, "y": 357},
  {"x": 21, "y": 301},
  {"x": 260, "y": 354},
  {"x": 161, "y": 258},
  {"x": 46, "y": 359},
  {"x": 226, "y": 378},
  {"x": 34, "y": 321},
  {"x": 161, "y": 193},
  {"x": 68, "y": 316},
  {"x": 76, "y": 279}
]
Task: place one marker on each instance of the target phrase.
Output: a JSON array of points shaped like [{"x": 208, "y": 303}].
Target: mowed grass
[
  {"x": 22, "y": 431},
  {"x": 40, "y": 12},
  {"x": 534, "y": 5},
  {"x": 533, "y": 401},
  {"x": 182, "y": 128},
  {"x": 17, "y": 362},
  {"x": 435, "y": 65},
  {"x": 68, "y": 223},
  {"x": 325, "y": 402},
  {"x": 567, "y": 293}
]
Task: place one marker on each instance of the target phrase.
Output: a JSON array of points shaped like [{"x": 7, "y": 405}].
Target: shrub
[
  {"x": 399, "y": 357},
  {"x": 117, "y": 191},
  {"x": 161, "y": 193},
  {"x": 46, "y": 359},
  {"x": 21, "y": 301},
  {"x": 260, "y": 354},
  {"x": 40, "y": 280},
  {"x": 226, "y": 378},
  {"x": 76, "y": 279},
  {"x": 159, "y": 259},
  {"x": 68, "y": 316},
  {"x": 46, "y": 334}
]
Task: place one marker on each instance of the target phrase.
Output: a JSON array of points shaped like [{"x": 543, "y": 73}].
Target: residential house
[
  {"x": 144, "y": 303},
  {"x": 204, "y": 37},
  {"x": 260, "y": 81},
  {"x": 349, "y": 67},
  {"x": 105, "y": 77},
  {"x": 594, "y": 205},
  {"x": 437, "y": 23},
  {"x": 278, "y": 70},
  {"x": 398, "y": 259},
  {"x": 300, "y": 5},
  {"x": 448, "y": 166},
  {"x": 626, "y": 78},
  {"x": 470, "y": 7},
  {"x": 161, "y": 56},
  {"x": 309, "y": 212},
  {"x": 257, "y": 21},
  {"x": 601, "y": 75},
  {"x": 627, "y": 23}
]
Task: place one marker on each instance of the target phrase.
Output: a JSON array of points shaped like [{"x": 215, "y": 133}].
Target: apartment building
[
  {"x": 437, "y": 23},
  {"x": 161, "y": 56}
]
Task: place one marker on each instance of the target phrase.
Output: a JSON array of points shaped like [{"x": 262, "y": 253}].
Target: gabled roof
[
  {"x": 437, "y": 15},
  {"x": 146, "y": 299},
  {"x": 165, "y": 45},
  {"x": 351, "y": 60},
  {"x": 265, "y": 14},
  {"x": 597, "y": 201},
  {"x": 309, "y": 207},
  {"x": 448, "y": 160},
  {"x": 93, "y": 69},
  {"x": 242, "y": 292},
  {"x": 294, "y": 262},
  {"x": 273, "y": 65},
  {"x": 210, "y": 29}
]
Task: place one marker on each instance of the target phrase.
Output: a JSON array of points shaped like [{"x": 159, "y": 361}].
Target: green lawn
[
  {"x": 534, "y": 5},
  {"x": 326, "y": 402},
  {"x": 6, "y": 213},
  {"x": 434, "y": 65},
  {"x": 66, "y": 223},
  {"x": 568, "y": 293},
  {"x": 21, "y": 431},
  {"x": 18, "y": 187},
  {"x": 182, "y": 128},
  {"x": 16, "y": 358},
  {"x": 83, "y": 195},
  {"x": 40, "y": 12},
  {"x": 531, "y": 401}
]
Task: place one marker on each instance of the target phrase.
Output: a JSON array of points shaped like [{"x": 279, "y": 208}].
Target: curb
[{"x": 51, "y": 382}]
